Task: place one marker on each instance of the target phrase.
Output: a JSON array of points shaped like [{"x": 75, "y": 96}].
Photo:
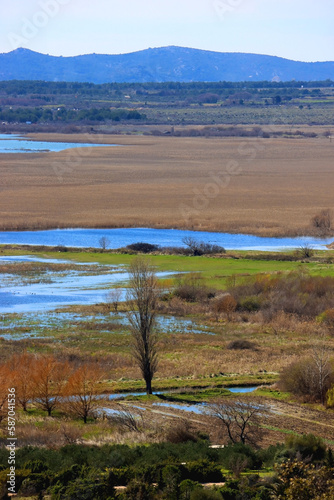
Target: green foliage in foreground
[{"x": 173, "y": 471}]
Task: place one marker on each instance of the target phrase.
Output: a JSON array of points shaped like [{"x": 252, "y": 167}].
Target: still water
[
  {"x": 16, "y": 144},
  {"x": 118, "y": 238}
]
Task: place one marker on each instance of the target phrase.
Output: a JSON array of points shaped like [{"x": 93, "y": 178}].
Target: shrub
[
  {"x": 35, "y": 466},
  {"x": 323, "y": 221},
  {"x": 142, "y": 247},
  {"x": 198, "y": 248},
  {"x": 224, "y": 303},
  {"x": 180, "y": 433},
  {"x": 309, "y": 378},
  {"x": 241, "y": 344},
  {"x": 61, "y": 248},
  {"x": 307, "y": 446},
  {"x": 250, "y": 304},
  {"x": 305, "y": 252},
  {"x": 295, "y": 293},
  {"x": 204, "y": 471},
  {"x": 201, "y": 494},
  {"x": 327, "y": 317},
  {"x": 192, "y": 289}
]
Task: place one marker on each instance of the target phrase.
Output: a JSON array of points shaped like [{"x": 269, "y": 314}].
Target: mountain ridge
[{"x": 160, "y": 64}]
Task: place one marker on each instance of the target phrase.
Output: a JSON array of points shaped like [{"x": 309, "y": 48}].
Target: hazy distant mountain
[{"x": 159, "y": 65}]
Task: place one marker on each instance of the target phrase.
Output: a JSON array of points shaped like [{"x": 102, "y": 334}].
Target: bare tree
[
  {"x": 310, "y": 377},
  {"x": 240, "y": 419},
  {"x": 113, "y": 297},
  {"x": 48, "y": 379},
  {"x": 323, "y": 372},
  {"x": 323, "y": 221},
  {"x": 82, "y": 391},
  {"x": 104, "y": 242},
  {"x": 129, "y": 419},
  {"x": 142, "y": 295}
]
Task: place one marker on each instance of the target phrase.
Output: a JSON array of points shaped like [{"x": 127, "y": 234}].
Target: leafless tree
[
  {"x": 113, "y": 297},
  {"x": 323, "y": 372},
  {"x": 239, "y": 419},
  {"x": 142, "y": 294},
  {"x": 82, "y": 391},
  {"x": 127, "y": 418},
  {"x": 104, "y": 242},
  {"x": 323, "y": 221},
  {"x": 310, "y": 377}
]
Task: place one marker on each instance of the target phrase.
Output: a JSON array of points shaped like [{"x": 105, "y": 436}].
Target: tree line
[
  {"x": 49, "y": 384},
  {"x": 38, "y": 115},
  {"x": 20, "y": 87}
]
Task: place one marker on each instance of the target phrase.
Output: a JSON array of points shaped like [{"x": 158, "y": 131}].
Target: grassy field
[
  {"x": 215, "y": 270},
  {"x": 252, "y": 185}
]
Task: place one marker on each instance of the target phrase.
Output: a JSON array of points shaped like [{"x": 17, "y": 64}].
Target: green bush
[
  {"x": 305, "y": 446},
  {"x": 250, "y": 304},
  {"x": 204, "y": 471}
]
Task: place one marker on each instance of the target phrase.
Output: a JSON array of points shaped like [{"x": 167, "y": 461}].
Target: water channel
[{"x": 118, "y": 238}]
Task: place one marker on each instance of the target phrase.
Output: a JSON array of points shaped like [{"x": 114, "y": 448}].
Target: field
[{"x": 250, "y": 185}]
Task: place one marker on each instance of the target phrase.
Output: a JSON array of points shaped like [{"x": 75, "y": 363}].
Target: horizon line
[{"x": 162, "y": 47}]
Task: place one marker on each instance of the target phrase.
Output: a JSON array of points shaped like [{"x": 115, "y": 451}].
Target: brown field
[{"x": 259, "y": 186}]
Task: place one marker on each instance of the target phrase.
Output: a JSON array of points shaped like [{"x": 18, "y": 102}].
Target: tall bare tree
[{"x": 142, "y": 295}]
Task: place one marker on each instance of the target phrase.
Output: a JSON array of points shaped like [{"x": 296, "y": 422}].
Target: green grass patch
[{"x": 215, "y": 271}]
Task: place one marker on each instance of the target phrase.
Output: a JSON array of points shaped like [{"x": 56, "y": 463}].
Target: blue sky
[{"x": 296, "y": 29}]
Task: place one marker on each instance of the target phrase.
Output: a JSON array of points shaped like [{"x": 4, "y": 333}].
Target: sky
[{"x": 301, "y": 30}]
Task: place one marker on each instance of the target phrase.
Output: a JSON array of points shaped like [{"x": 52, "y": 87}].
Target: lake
[
  {"x": 164, "y": 237},
  {"x": 17, "y": 144}
]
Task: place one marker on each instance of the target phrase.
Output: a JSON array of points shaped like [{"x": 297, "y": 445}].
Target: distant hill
[{"x": 159, "y": 65}]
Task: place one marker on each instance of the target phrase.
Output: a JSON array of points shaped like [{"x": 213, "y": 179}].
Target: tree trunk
[{"x": 148, "y": 386}]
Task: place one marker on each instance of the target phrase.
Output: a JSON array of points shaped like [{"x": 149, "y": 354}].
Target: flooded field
[
  {"x": 33, "y": 299},
  {"x": 26, "y": 286},
  {"x": 52, "y": 324}
]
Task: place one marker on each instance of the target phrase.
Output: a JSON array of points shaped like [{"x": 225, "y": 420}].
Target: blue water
[
  {"x": 164, "y": 237},
  {"x": 58, "y": 289},
  {"x": 17, "y": 144}
]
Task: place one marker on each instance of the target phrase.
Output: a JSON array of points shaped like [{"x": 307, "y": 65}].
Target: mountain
[{"x": 159, "y": 65}]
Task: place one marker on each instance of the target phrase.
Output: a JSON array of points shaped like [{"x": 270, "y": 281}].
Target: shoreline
[{"x": 302, "y": 233}]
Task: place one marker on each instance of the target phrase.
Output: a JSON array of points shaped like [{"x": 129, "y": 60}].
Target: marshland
[{"x": 225, "y": 318}]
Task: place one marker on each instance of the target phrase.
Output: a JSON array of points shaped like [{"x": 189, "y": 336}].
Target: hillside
[{"x": 159, "y": 65}]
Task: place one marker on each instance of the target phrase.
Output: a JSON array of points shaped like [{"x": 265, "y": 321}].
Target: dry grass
[{"x": 168, "y": 182}]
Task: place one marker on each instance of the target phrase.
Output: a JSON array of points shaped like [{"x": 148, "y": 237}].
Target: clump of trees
[
  {"x": 39, "y": 115},
  {"x": 142, "y": 247},
  {"x": 198, "y": 248},
  {"x": 50, "y": 384}
]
